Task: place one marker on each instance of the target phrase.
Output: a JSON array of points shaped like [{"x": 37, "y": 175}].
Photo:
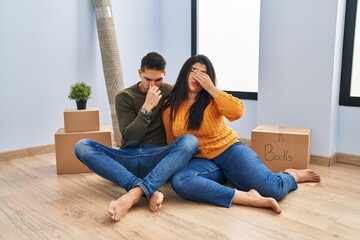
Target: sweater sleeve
[
  {"x": 133, "y": 126},
  {"x": 229, "y": 106},
  {"x": 168, "y": 127}
]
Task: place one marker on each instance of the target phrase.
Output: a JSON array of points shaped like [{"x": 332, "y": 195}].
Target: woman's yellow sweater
[{"x": 214, "y": 135}]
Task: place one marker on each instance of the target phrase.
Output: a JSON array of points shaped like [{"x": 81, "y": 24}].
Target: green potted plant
[{"x": 80, "y": 92}]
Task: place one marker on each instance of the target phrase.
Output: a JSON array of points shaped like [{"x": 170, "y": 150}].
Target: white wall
[
  {"x": 58, "y": 45},
  {"x": 38, "y": 61},
  {"x": 175, "y": 38},
  {"x": 46, "y": 46},
  {"x": 349, "y": 130},
  {"x": 297, "y": 66}
]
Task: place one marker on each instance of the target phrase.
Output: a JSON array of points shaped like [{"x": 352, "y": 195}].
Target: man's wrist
[
  {"x": 147, "y": 107},
  {"x": 145, "y": 112}
]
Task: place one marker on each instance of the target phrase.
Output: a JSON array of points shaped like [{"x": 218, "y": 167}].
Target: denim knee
[
  {"x": 189, "y": 142},
  {"x": 81, "y": 148},
  {"x": 179, "y": 183}
]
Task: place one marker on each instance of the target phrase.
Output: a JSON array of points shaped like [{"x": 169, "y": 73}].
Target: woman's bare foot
[
  {"x": 120, "y": 207},
  {"x": 304, "y": 175},
  {"x": 253, "y": 198},
  {"x": 155, "y": 201}
]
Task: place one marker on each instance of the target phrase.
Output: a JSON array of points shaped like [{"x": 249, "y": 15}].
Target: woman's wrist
[{"x": 214, "y": 92}]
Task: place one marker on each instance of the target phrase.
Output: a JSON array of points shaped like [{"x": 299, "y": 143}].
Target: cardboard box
[
  {"x": 66, "y": 161},
  {"x": 281, "y": 148},
  {"x": 81, "y": 120}
]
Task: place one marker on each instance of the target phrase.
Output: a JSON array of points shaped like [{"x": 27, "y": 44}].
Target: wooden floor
[{"x": 36, "y": 203}]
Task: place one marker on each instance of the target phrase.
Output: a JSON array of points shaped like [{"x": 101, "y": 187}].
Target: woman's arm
[
  {"x": 229, "y": 106},
  {"x": 168, "y": 126}
]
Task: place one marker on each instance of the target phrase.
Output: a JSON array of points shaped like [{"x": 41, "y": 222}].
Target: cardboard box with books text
[{"x": 280, "y": 148}]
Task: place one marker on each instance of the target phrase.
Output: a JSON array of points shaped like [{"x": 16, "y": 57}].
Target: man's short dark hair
[{"x": 153, "y": 60}]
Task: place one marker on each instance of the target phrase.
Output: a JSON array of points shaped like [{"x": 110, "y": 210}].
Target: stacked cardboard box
[
  {"x": 81, "y": 120},
  {"x": 281, "y": 148},
  {"x": 78, "y": 124}
]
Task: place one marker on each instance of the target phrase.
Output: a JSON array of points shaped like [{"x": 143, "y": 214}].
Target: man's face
[{"x": 151, "y": 77}]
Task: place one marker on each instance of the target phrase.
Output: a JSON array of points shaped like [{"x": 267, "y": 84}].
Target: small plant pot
[{"x": 81, "y": 105}]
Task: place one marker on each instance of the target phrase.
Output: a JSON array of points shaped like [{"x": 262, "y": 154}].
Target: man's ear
[
  {"x": 164, "y": 72},
  {"x": 140, "y": 72}
]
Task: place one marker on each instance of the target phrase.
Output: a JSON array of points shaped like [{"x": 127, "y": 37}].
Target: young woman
[{"x": 195, "y": 105}]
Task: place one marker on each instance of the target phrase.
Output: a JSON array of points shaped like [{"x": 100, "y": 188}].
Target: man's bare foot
[
  {"x": 120, "y": 207},
  {"x": 253, "y": 198},
  {"x": 155, "y": 201},
  {"x": 304, "y": 175}
]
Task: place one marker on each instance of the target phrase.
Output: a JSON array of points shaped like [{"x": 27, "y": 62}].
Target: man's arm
[{"x": 133, "y": 125}]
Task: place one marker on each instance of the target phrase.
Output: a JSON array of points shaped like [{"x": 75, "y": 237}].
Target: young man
[{"x": 144, "y": 162}]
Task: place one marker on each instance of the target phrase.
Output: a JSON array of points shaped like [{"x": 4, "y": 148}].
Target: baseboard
[
  {"x": 26, "y": 152},
  {"x": 324, "y": 161},
  {"x": 348, "y": 158}
]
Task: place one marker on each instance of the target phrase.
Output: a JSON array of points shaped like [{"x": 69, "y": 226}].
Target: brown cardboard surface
[
  {"x": 81, "y": 120},
  {"x": 281, "y": 148},
  {"x": 66, "y": 161}
]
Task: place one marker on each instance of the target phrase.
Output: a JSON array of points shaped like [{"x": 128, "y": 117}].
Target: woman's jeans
[
  {"x": 147, "y": 166},
  {"x": 202, "y": 179}
]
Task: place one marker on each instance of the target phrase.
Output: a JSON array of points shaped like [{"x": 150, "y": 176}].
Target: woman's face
[{"x": 194, "y": 86}]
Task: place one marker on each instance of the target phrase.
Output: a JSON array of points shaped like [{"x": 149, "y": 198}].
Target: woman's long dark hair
[{"x": 179, "y": 93}]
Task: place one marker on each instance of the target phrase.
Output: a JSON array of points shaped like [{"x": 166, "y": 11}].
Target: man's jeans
[
  {"x": 147, "y": 166},
  {"x": 202, "y": 179}
]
